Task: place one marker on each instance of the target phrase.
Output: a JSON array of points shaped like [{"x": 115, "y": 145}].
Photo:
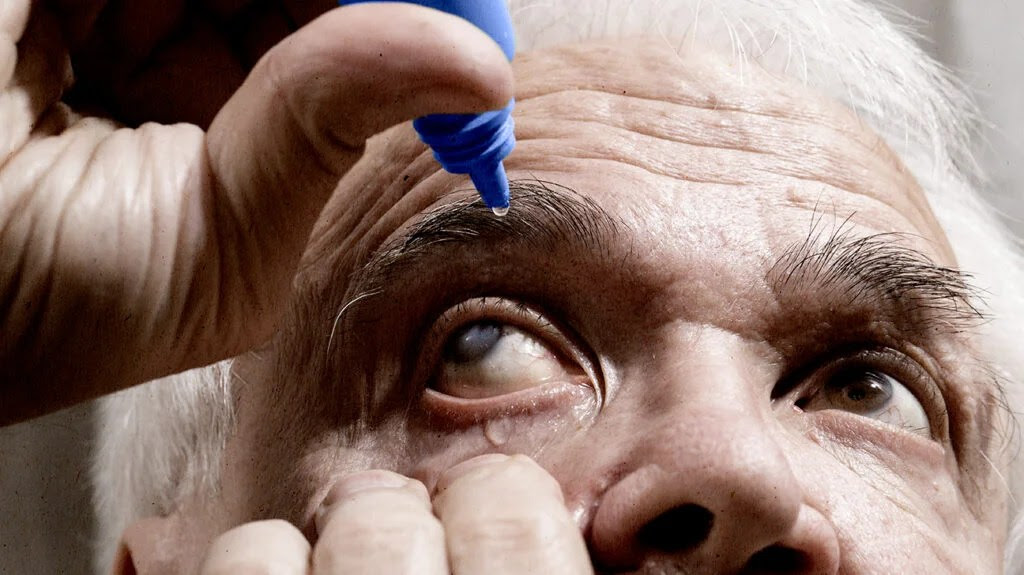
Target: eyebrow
[
  {"x": 543, "y": 214},
  {"x": 869, "y": 270},
  {"x": 879, "y": 269}
]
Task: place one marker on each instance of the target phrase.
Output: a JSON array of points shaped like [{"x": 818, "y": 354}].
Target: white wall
[
  {"x": 983, "y": 41},
  {"x": 45, "y": 514}
]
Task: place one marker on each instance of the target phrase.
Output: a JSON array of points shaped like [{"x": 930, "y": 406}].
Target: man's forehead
[
  {"x": 661, "y": 137},
  {"x": 712, "y": 128}
]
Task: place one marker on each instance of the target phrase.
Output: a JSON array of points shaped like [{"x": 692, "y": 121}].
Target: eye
[
  {"x": 870, "y": 392},
  {"x": 498, "y": 348}
]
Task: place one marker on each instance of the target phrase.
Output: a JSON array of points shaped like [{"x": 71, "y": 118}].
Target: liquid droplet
[
  {"x": 500, "y": 211},
  {"x": 497, "y": 431}
]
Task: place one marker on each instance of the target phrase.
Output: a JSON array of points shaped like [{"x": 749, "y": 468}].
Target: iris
[{"x": 473, "y": 342}]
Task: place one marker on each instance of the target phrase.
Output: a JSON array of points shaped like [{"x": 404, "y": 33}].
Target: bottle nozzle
[
  {"x": 474, "y": 144},
  {"x": 492, "y": 184}
]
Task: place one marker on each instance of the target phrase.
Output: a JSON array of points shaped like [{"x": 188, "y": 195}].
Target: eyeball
[
  {"x": 871, "y": 393},
  {"x": 489, "y": 358}
]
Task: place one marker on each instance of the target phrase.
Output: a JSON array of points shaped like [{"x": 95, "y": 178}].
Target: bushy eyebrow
[
  {"x": 879, "y": 269},
  {"x": 543, "y": 215},
  {"x": 874, "y": 270}
]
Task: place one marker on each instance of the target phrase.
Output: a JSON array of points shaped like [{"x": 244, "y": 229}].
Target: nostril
[
  {"x": 778, "y": 560},
  {"x": 678, "y": 529}
]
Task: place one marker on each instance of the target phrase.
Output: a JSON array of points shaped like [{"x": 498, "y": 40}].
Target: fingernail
[
  {"x": 465, "y": 467},
  {"x": 356, "y": 483}
]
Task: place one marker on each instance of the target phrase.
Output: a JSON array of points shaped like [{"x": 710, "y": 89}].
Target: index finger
[{"x": 505, "y": 515}]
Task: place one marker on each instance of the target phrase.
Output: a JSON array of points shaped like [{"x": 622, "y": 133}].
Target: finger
[
  {"x": 378, "y": 522},
  {"x": 138, "y": 253},
  {"x": 280, "y": 145},
  {"x": 272, "y": 546},
  {"x": 13, "y": 18},
  {"x": 33, "y": 67},
  {"x": 506, "y": 515}
]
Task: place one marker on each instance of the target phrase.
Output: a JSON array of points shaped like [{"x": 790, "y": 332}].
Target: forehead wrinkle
[
  {"x": 743, "y": 153},
  {"x": 543, "y": 215},
  {"x": 811, "y": 162},
  {"x": 694, "y": 91},
  {"x": 721, "y": 127}
]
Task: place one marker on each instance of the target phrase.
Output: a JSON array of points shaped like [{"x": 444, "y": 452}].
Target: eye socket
[
  {"x": 489, "y": 347},
  {"x": 869, "y": 391}
]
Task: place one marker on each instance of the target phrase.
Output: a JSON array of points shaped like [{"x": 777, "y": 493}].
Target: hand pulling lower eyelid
[{"x": 474, "y": 144}]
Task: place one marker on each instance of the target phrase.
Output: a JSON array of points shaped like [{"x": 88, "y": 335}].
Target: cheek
[{"x": 899, "y": 510}]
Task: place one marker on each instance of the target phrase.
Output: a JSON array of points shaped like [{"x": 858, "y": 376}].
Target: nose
[{"x": 709, "y": 490}]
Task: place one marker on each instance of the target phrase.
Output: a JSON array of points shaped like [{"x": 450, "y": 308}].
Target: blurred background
[
  {"x": 45, "y": 517},
  {"x": 983, "y": 42}
]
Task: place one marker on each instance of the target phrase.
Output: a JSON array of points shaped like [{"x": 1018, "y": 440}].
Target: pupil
[
  {"x": 862, "y": 391},
  {"x": 856, "y": 392},
  {"x": 473, "y": 342}
]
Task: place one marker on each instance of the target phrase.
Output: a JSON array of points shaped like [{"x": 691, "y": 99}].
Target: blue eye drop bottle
[{"x": 474, "y": 144}]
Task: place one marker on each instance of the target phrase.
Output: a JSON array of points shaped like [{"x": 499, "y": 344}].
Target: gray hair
[{"x": 162, "y": 441}]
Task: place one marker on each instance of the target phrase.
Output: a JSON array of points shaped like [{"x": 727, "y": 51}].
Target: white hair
[
  {"x": 157, "y": 443},
  {"x": 160, "y": 441}
]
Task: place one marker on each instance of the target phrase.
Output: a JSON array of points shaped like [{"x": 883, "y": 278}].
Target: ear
[{"x": 148, "y": 547}]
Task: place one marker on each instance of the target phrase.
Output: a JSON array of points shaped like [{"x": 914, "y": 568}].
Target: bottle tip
[{"x": 492, "y": 183}]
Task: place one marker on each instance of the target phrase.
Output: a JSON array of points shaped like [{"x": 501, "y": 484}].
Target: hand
[
  {"x": 493, "y": 514},
  {"x": 128, "y": 254}
]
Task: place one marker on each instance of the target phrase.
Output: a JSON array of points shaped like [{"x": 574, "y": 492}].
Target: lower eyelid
[
  {"x": 462, "y": 412},
  {"x": 843, "y": 430}
]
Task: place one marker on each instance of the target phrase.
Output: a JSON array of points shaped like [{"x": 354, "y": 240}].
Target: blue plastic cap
[{"x": 474, "y": 144}]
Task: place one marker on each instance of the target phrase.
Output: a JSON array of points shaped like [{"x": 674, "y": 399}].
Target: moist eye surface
[
  {"x": 472, "y": 342},
  {"x": 862, "y": 392},
  {"x": 873, "y": 394},
  {"x": 488, "y": 358}
]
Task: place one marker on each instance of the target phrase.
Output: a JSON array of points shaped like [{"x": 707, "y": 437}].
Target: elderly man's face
[{"x": 736, "y": 332}]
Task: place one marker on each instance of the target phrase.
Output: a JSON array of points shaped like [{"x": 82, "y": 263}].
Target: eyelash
[
  {"x": 807, "y": 382},
  {"x": 560, "y": 339}
]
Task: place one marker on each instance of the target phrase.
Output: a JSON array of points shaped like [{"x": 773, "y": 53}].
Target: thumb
[
  {"x": 150, "y": 251},
  {"x": 281, "y": 143}
]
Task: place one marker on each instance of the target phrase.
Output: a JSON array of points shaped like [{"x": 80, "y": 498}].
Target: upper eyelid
[
  {"x": 505, "y": 310},
  {"x": 811, "y": 253},
  {"x": 512, "y": 311}
]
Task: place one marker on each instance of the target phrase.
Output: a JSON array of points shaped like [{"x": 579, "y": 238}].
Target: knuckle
[
  {"x": 360, "y": 539},
  {"x": 402, "y": 527},
  {"x": 513, "y": 532},
  {"x": 525, "y": 474}
]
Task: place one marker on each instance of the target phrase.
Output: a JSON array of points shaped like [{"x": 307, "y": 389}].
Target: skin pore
[{"x": 672, "y": 318}]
